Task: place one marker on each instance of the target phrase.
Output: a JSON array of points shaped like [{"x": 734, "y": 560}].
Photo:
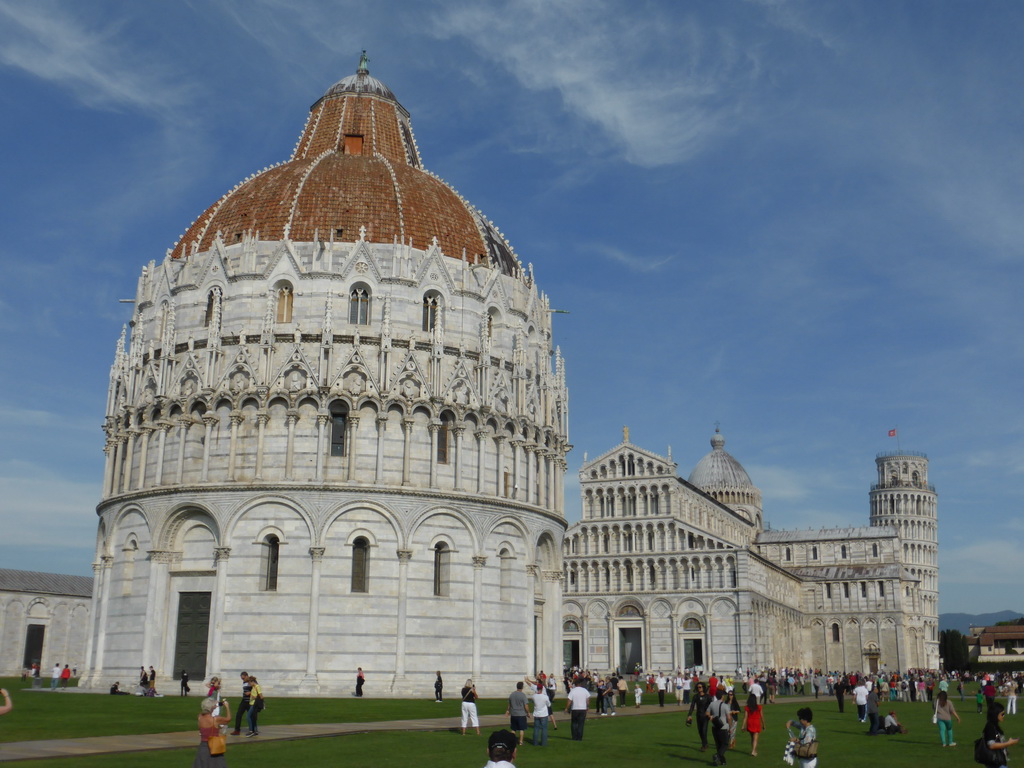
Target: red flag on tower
[{"x": 892, "y": 433}]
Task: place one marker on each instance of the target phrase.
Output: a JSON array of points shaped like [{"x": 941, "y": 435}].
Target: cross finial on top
[{"x": 717, "y": 425}]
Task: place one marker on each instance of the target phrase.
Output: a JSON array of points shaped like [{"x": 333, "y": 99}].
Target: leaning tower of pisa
[{"x": 903, "y": 498}]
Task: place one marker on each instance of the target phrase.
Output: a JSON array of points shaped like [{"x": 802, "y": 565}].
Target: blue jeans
[{"x": 540, "y": 731}]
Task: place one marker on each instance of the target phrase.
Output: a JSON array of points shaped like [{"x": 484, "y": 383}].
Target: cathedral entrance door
[
  {"x": 693, "y": 653},
  {"x": 192, "y": 634},
  {"x": 631, "y": 640},
  {"x": 34, "y": 634}
]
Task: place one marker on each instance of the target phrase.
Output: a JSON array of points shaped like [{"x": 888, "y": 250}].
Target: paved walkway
[{"x": 101, "y": 745}]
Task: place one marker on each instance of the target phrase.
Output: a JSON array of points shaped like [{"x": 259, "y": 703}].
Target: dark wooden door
[
  {"x": 34, "y": 634},
  {"x": 193, "y": 630}
]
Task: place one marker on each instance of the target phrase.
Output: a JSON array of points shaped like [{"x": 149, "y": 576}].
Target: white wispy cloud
[
  {"x": 636, "y": 263},
  {"x": 49, "y": 41},
  {"x": 598, "y": 61}
]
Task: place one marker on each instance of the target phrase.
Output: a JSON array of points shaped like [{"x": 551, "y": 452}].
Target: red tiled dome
[{"x": 355, "y": 165}]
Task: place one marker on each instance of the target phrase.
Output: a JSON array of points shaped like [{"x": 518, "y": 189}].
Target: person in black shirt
[
  {"x": 700, "y": 702},
  {"x": 243, "y": 707},
  {"x": 993, "y": 735}
]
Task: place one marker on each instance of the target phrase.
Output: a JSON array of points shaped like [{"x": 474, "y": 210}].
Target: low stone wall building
[{"x": 44, "y": 618}]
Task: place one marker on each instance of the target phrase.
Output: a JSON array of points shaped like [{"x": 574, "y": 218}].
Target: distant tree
[
  {"x": 1011, "y": 623},
  {"x": 953, "y": 649}
]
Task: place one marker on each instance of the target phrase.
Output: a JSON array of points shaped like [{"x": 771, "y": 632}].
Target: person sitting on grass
[{"x": 892, "y": 726}]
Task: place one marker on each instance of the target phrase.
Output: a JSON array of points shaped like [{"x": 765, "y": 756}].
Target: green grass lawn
[{"x": 653, "y": 740}]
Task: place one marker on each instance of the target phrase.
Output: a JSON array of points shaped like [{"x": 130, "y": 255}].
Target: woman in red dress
[{"x": 753, "y": 721}]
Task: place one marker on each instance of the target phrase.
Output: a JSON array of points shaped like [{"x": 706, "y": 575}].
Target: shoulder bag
[{"x": 806, "y": 751}]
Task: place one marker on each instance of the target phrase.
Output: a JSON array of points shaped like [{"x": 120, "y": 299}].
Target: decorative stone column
[
  {"x": 404, "y": 556},
  {"x": 551, "y": 655},
  {"x": 161, "y": 448},
  {"x": 407, "y": 424},
  {"x": 499, "y": 466},
  {"x": 353, "y": 431},
  {"x": 144, "y": 434},
  {"x": 529, "y": 450},
  {"x": 322, "y": 420},
  {"x": 480, "y": 434},
  {"x": 109, "y": 454},
  {"x": 262, "y": 418},
  {"x": 209, "y": 420},
  {"x": 235, "y": 418},
  {"x": 129, "y": 455},
  {"x": 289, "y": 462},
  {"x": 106, "y": 563},
  {"x": 458, "y": 458},
  {"x": 97, "y": 599},
  {"x": 479, "y": 561},
  {"x": 433, "y": 429},
  {"x": 532, "y": 574},
  {"x": 184, "y": 423},
  {"x": 517, "y": 446},
  {"x": 156, "y": 606},
  {"x": 217, "y": 604},
  {"x": 382, "y": 425},
  {"x": 310, "y": 682}
]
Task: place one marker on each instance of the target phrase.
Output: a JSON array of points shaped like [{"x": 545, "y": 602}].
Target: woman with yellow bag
[{"x": 213, "y": 743}]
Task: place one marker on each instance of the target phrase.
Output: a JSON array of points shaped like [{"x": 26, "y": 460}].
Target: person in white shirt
[
  {"x": 501, "y": 749},
  {"x": 687, "y": 682},
  {"x": 541, "y": 709},
  {"x": 860, "y": 696},
  {"x": 661, "y": 681},
  {"x": 756, "y": 689},
  {"x": 677, "y": 683},
  {"x": 577, "y": 706}
]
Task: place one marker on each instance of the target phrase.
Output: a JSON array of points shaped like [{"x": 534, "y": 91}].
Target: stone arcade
[
  {"x": 336, "y": 433},
  {"x": 672, "y": 573}
]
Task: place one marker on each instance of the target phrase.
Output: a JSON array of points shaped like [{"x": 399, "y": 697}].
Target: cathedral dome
[
  {"x": 355, "y": 173},
  {"x": 719, "y": 469}
]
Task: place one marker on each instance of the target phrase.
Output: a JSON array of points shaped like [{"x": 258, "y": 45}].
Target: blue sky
[{"x": 800, "y": 219}]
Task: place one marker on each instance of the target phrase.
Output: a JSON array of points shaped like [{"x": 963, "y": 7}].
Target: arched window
[
  {"x": 339, "y": 426},
  {"x": 285, "y": 300},
  {"x": 874, "y": 550},
  {"x": 431, "y": 308},
  {"x": 846, "y": 589},
  {"x": 443, "y": 439},
  {"x": 570, "y": 626},
  {"x": 269, "y": 557},
  {"x": 828, "y": 591},
  {"x": 835, "y": 633},
  {"x": 359, "y": 305},
  {"x": 789, "y": 554},
  {"x": 505, "y": 592},
  {"x": 843, "y": 551},
  {"x": 211, "y": 302},
  {"x": 863, "y": 589},
  {"x": 691, "y": 625},
  {"x": 442, "y": 568},
  {"x": 361, "y": 565},
  {"x": 814, "y": 553}
]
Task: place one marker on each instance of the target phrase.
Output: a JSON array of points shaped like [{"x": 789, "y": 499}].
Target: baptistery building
[
  {"x": 667, "y": 573},
  {"x": 335, "y": 433}
]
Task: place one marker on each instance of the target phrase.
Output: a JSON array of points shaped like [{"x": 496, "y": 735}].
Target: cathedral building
[
  {"x": 335, "y": 433},
  {"x": 668, "y": 573}
]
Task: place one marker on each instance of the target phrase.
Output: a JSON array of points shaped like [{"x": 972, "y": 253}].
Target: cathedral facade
[
  {"x": 335, "y": 433},
  {"x": 667, "y": 573}
]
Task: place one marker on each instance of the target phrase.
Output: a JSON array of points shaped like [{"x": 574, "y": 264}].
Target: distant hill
[{"x": 964, "y": 621}]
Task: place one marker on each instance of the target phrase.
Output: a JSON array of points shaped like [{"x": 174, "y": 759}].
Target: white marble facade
[
  {"x": 340, "y": 452},
  {"x": 672, "y": 573},
  {"x": 44, "y": 618}
]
